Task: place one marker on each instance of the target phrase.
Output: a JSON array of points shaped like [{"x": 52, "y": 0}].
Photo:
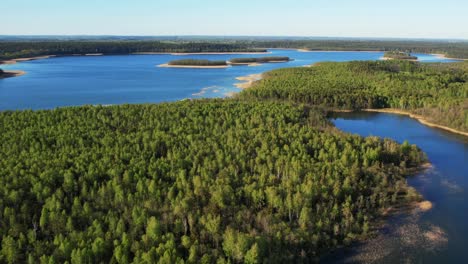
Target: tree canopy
[
  {"x": 189, "y": 182},
  {"x": 438, "y": 91}
]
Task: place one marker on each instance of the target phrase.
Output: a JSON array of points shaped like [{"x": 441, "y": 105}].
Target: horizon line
[{"x": 236, "y": 36}]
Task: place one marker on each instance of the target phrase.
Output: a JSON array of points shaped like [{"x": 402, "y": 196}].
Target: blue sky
[{"x": 336, "y": 18}]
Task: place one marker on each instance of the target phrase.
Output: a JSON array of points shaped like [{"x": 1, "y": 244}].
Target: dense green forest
[
  {"x": 189, "y": 182},
  {"x": 399, "y": 55},
  {"x": 13, "y": 50},
  {"x": 437, "y": 91},
  {"x": 21, "y": 49},
  {"x": 260, "y": 60},
  {"x": 451, "y": 49},
  {"x": 193, "y": 62}
]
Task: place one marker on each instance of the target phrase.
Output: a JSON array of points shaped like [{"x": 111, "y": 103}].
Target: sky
[{"x": 327, "y": 18}]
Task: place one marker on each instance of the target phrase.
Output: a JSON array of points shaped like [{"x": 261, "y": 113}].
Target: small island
[
  {"x": 249, "y": 61},
  {"x": 193, "y": 63},
  {"x": 399, "y": 55}
]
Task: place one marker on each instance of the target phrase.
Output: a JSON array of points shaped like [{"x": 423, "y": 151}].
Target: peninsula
[{"x": 7, "y": 74}]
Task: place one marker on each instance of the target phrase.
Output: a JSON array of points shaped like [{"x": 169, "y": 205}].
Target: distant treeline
[
  {"x": 13, "y": 50},
  {"x": 437, "y": 91},
  {"x": 192, "y": 62},
  {"x": 259, "y": 60},
  {"x": 399, "y": 55},
  {"x": 451, "y": 49},
  {"x": 19, "y": 49}
]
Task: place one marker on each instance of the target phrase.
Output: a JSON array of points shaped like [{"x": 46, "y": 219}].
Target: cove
[
  {"x": 81, "y": 80},
  {"x": 437, "y": 236}
]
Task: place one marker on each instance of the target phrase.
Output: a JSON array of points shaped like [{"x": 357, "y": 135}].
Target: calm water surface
[
  {"x": 445, "y": 185},
  {"x": 71, "y": 81}
]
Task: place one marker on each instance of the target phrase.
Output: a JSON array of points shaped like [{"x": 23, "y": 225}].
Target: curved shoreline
[
  {"x": 165, "y": 65},
  {"x": 14, "y": 61},
  {"x": 443, "y": 56},
  {"x": 420, "y": 118},
  {"x": 10, "y": 74}
]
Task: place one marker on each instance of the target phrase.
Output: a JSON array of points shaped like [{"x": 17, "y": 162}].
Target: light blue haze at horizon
[{"x": 334, "y": 18}]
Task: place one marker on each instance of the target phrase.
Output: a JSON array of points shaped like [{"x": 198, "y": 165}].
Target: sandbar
[
  {"x": 26, "y": 59},
  {"x": 248, "y": 81}
]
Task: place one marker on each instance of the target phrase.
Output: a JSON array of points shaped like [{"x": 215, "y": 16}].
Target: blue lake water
[
  {"x": 445, "y": 185},
  {"x": 79, "y": 80}
]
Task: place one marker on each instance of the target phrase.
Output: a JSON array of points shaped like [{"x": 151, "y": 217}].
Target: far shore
[
  {"x": 248, "y": 81},
  {"x": 193, "y": 66},
  {"x": 9, "y": 74},
  {"x": 420, "y": 118}
]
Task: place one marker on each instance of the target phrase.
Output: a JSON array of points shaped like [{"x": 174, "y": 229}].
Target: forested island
[
  {"x": 438, "y": 92},
  {"x": 194, "y": 63},
  {"x": 399, "y": 55},
  {"x": 269, "y": 59},
  {"x": 196, "y": 181}
]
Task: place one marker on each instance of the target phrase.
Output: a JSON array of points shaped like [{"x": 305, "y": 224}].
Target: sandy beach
[
  {"x": 193, "y": 67},
  {"x": 443, "y": 56},
  {"x": 26, "y": 59},
  {"x": 8, "y": 74},
  {"x": 248, "y": 81},
  {"x": 385, "y": 59}
]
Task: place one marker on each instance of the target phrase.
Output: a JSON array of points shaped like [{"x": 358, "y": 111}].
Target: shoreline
[
  {"x": 389, "y": 59},
  {"x": 420, "y": 118},
  {"x": 192, "y": 53},
  {"x": 443, "y": 56},
  {"x": 10, "y": 74},
  {"x": 14, "y": 61},
  {"x": 165, "y": 65},
  {"x": 248, "y": 81}
]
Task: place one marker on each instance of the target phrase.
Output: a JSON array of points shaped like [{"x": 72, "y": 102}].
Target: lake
[
  {"x": 439, "y": 235},
  {"x": 79, "y": 80}
]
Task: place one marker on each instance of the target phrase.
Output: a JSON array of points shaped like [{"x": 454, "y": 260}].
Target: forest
[
  {"x": 260, "y": 60},
  {"x": 193, "y": 62},
  {"x": 204, "y": 181},
  {"x": 437, "y": 91},
  {"x": 453, "y": 49},
  {"x": 399, "y": 55}
]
